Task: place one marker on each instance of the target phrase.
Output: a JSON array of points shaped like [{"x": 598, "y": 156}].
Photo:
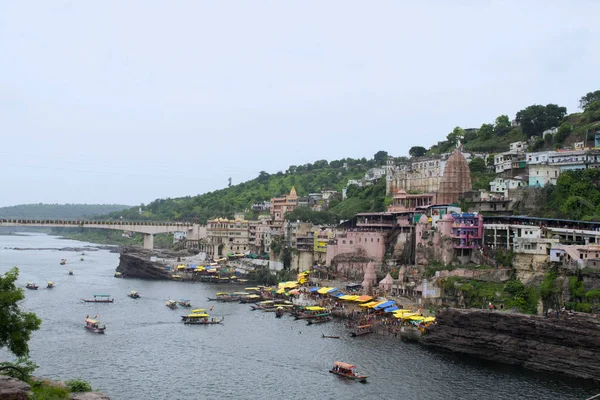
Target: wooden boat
[
  {"x": 32, "y": 286},
  {"x": 63, "y": 261},
  {"x": 361, "y": 330},
  {"x": 93, "y": 325},
  {"x": 70, "y": 272},
  {"x": 118, "y": 275},
  {"x": 330, "y": 337},
  {"x": 200, "y": 319},
  {"x": 50, "y": 285},
  {"x": 100, "y": 298},
  {"x": 318, "y": 320},
  {"x": 347, "y": 371},
  {"x": 134, "y": 295},
  {"x": 184, "y": 303},
  {"x": 172, "y": 304}
]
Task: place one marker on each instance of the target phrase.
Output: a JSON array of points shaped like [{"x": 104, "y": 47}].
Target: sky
[{"x": 124, "y": 102}]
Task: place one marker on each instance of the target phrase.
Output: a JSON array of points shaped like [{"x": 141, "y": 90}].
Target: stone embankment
[
  {"x": 568, "y": 345},
  {"x": 136, "y": 262}
]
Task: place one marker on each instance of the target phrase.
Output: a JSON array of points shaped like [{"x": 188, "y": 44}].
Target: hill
[
  {"x": 308, "y": 178},
  {"x": 59, "y": 211}
]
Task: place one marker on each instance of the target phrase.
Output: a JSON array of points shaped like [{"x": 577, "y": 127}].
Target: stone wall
[{"x": 569, "y": 345}]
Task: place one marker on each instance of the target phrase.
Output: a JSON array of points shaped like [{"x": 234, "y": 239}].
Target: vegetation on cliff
[
  {"x": 308, "y": 178},
  {"x": 59, "y": 211}
]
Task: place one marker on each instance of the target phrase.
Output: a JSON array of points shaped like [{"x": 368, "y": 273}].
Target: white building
[
  {"x": 502, "y": 185},
  {"x": 546, "y": 166}
]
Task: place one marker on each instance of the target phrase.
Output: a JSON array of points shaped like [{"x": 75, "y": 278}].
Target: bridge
[{"x": 148, "y": 229}]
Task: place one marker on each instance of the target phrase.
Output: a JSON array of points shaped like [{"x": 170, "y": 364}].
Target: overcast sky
[{"x": 129, "y": 101}]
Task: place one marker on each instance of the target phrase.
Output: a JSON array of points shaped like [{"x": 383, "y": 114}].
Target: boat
[
  {"x": 70, "y": 272},
  {"x": 318, "y": 320},
  {"x": 172, "y": 304},
  {"x": 118, "y": 275},
  {"x": 184, "y": 303},
  {"x": 50, "y": 285},
  {"x": 100, "y": 298},
  {"x": 330, "y": 337},
  {"x": 279, "y": 312},
  {"x": 361, "y": 330},
  {"x": 201, "y": 318},
  {"x": 93, "y": 325},
  {"x": 134, "y": 295},
  {"x": 63, "y": 261},
  {"x": 347, "y": 371},
  {"x": 32, "y": 286}
]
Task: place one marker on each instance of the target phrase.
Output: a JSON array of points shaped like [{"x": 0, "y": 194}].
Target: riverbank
[{"x": 567, "y": 345}]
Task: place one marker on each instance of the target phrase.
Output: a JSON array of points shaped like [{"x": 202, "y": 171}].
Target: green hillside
[
  {"x": 59, "y": 211},
  {"x": 308, "y": 178}
]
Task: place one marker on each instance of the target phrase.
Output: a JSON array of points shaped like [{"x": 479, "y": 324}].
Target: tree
[
  {"x": 417, "y": 151},
  {"x": 229, "y": 182},
  {"x": 589, "y": 98},
  {"x": 490, "y": 160},
  {"x": 592, "y": 112},
  {"x": 477, "y": 165},
  {"x": 564, "y": 131},
  {"x": 486, "y": 131},
  {"x": 380, "y": 157},
  {"x": 536, "y": 119},
  {"x": 501, "y": 125},
  {"x": 16, "y": 326},
  {"x": 263, "y": 177},
  {"x": 456, "y": 134}
]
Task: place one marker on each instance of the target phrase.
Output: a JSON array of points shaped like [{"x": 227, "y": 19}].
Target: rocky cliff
[
  {"x": 136, "y": 262},
  {"x": 569, "y": 345}
]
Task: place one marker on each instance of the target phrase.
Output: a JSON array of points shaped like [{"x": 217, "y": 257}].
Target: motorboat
[
  {"x": 50, "y": 285},
  {"x": 347, "y": 371},
  {"x": 184, "y": 303},
  {"x": 70, "y": 272},
  {"x": 172, "y": 304},
  {"x": 93, "y": 325},
  {"x": 32, "y": 286},
  {"x": 100, "y": 298},
  {"x": 134, "y": 295},
  {"x": 63, "y": 261}
]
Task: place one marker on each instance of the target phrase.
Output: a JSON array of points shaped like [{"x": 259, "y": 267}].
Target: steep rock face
[
  {"x": 569, "y": 345},
  {"x": 135, "y": 263}
]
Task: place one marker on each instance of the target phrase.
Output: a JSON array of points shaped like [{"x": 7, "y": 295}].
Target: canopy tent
[
  {"x": 370, "y": 304},
  {"x": 429, "y": 319},
  {"x": 313, "y": 289},
  {"x": 360, "y": 299},
  {"x": 324, "y": 290},
  {"x": 386, "y": 304},
  {"x": 391, "y": 309},
  {"x": 338, "y": 295},
  {"x": 294, "y": 291},
  {"x": 315, "y": 308},
  {"x": 344, "y": 365},
  {"x": 348, "y": 297},
  {"x": 377, "y": 303},
  {"x": 332, "y": 290}
]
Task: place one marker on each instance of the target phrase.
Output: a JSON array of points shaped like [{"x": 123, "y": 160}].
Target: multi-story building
[
  {"x": 282, "y": 205},
  {"x": 546, "y": 166},
  {"x": 226, "y": 236},
  {"x": 467, "y": 233},
  {"x": 261, "y": 206},
  {"x": 503, "y": 185}
]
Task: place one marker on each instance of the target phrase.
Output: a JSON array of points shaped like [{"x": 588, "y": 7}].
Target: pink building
[
  {"x": 404, "y": 202},
  {"x": 354, "y": 250}
]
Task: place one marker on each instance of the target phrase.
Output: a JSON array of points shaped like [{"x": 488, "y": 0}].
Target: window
[
  {"x": 351, "y": 242},
  {"x": 343, "y": 242},
  {"x": 372, "y": 242}
]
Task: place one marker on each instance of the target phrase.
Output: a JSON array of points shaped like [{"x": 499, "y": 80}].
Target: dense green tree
[
  {"x": 380, "y": 157},
  {"x": 588, "y": 99},
  {"x": 486, "y": 131},
  {"x": 457, "y": 134},
  {"x": 15, "y": 325},
  {"x": 417, "y": 151},
  {"x": 502, "y": 125},
  {"x": 536, "y": 119},
  {"x": 306, "y": 214},
  {"x": 564, "y": 130},
  {"x": 592, "y": 112},
  {"x": 490, "y": 160},
  {"x": 477, "y": 165}
]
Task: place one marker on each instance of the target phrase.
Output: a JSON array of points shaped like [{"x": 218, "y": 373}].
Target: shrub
[{"x": 78, "y": 385}]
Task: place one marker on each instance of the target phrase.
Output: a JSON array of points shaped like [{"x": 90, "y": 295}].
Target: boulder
[{"x": 13, "y": 389}]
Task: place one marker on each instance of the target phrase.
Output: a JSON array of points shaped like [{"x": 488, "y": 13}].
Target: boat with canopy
[
  {"x": 347, "y": 371},
  {"x": 100, "y": 298},
  {"x": 50, "y": 285},
  {"x": 31, "y": 285},
  {"x": 172, "y": 304},
  {"x": 93, "y": 325},
  {"x": 184, "y": 303},
  {"x": 361, "y": 330},
  {"x": 200, "y": 317},
  {"x": 134, "y": 295}
]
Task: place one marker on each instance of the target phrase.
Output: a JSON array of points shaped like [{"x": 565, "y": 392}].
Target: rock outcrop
[
  {"x": 569, "y": 345},
  {"x": 136, "y": 263},
  {"x": 13, "y": 389}
]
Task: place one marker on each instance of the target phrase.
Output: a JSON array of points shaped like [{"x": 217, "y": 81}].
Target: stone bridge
[{"x": 149, "y": 229}]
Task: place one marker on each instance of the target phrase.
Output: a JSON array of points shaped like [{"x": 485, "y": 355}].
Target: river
[{"x": 147, "y": 353}]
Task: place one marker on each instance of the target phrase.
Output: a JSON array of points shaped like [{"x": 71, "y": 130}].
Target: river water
[{"x": 147, "y": 353}]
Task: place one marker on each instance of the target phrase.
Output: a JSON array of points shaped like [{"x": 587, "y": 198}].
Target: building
[
  {"x": 350, "y": 252},
  {"x": 261, "y": 206},
  {"x": 503, "y": 185},
  {"x": 282, "y": 205},
  {"x": 447, "y": 175},
  {"x": 467, "y": 234},
  {"x": 545, "y": 167},
  {"x": 404, "y": 202},
  {"x": 226, "y": 236}
]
